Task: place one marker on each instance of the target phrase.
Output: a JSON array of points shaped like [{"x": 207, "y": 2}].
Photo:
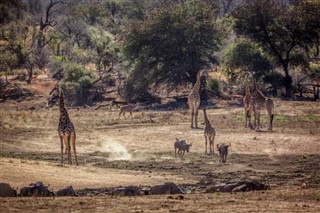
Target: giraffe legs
[
  {"x": 195, "y": 110},
  {"x": 257, "y": 119},
  {"x": 248, "y": 112},
  {"x": 211, "y": 140},
  {"x": 194, "y": 107},
  {"x": 73, "y": 142},
  {"x": 192, "y": 115},
  {"x": 270, "y": 109},
  {"x": 67, "y": 137},
  {"x": 196, "y": 118},
  {"x": 206, "y": 141},
  {"x": 62, "y": 142}
]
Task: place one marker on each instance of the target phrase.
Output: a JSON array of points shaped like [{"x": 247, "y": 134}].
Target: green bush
[
  {"x": 77, "y": 78},
  {"x": 314, "y": 69},
  {"x": 213, "y": 86}
]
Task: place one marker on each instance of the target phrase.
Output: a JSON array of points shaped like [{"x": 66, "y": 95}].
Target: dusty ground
[{"x": 117, "y": 152}]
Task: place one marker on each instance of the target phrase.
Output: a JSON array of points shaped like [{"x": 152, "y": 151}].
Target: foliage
[
  {"x": 160, "y": 42},
  {"x": 213, "y": 86},
  {"x": 77, "y": 78},
  {"x": 103, "y": 48},
  {"x": 278, "y": 28},
  {"x": 173, "y": 43},
  {"x": 244, "y": 56}
]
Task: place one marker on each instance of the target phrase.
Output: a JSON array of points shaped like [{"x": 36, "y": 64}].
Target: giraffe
[
  {"x": 247, "y": 102},
  {"x": 66, "y": 130},
  {"x": 194, "y": 99},
  {"x": 128, "y": 108},
  {"x": 259, "y": 101},
  {"x": 209, "y": 134}
]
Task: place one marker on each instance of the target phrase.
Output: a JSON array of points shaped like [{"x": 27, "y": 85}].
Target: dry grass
[{"x": 114, "y": 152}]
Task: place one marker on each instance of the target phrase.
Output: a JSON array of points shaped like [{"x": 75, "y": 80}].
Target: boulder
[
  {"x": 68, "y": 191},
  {"x": 166, "y": 188}
]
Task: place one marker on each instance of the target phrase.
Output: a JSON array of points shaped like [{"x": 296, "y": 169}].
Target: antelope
[{"x": 128, "y": 108}]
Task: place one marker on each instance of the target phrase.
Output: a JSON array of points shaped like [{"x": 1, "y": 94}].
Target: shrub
[
  {"x": 213, "y": 86},
  {"x": 77, "y": 78}
]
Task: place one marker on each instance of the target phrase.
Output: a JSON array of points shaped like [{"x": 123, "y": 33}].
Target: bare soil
[{"x": 115, "y": 152}]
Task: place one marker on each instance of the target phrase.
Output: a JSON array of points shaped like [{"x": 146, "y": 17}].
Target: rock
[
  {"x": 242, "y": 186},
  {"x": 127, "y": 191},
  {"x": 166, "y": 188},
  {"x": 7, "y": 191},
  {"x": 68, "y": 191}
]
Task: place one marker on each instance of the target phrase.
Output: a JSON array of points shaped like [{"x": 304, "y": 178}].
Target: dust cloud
[{"x": 115, "y": 150}]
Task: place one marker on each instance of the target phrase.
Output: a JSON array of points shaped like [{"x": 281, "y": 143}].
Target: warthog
[
  {"x": 37, "y": 189},
  {"x": 7, "y": 191},
  {"x": 223, "y": 152},
  {"x": 182, "y": 146}
]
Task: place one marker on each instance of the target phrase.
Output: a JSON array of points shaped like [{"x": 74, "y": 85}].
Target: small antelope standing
[
  {"x": 182, "y": 146},
  {"x": 128, "y": 108},
  {"x": 223, "y": 152}
]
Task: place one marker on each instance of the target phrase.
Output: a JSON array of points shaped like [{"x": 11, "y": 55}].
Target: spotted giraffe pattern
[
  {"x": 260, "y": 102},
  {"x": 209, "y": 134},
  {"x": 194, "y": 99},
  {"x": 66, "y": 130}
]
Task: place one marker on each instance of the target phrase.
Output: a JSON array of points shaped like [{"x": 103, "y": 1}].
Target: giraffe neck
[
  {"x": 247, "y": 86},
  {"x": 206, "y": 119},
  {"x": 255, "y": 88},
  {"x": 63, "y": 110},
  {"x": 257, "y": 95},
  {"x": 196, "y": 87}
]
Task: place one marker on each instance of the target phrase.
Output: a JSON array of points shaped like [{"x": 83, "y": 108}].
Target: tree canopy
[
  {"x": 173, "y": 42},
  {"x": 152, "y": 43},
  {"x": 279, "y": 28}
]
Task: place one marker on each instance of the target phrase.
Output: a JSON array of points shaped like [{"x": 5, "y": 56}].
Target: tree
[
  {"x": 278, "y": 28},
  {"x": 172, "y": 43},
  {"x": 10, "y": 11},
  {"x": 77, "y": 78},
  {"x": 24, "y": 37},
  {"x": 245, "y": 56},
  {"x": 103, "y": 48}
]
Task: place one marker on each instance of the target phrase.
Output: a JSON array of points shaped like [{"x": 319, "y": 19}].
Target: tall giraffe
[
  {"x": 259, "y": 102},
  {"x": 194, "y": 99},
  {"x": 66, "y": 130},
  {"x": 247, "y": 102},
  {"x": 209, "y": 133}
]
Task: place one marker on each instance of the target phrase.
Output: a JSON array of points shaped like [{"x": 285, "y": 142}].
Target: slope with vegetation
[{"x": 144, "y": 45}]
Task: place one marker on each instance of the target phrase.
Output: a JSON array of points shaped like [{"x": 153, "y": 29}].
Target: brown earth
[{"x": 116, "y": 152}]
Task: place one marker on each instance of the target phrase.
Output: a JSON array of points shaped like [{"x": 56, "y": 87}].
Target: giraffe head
[
  {"x": 203, "y": 73},
  {"x": 54, "y": 96}
]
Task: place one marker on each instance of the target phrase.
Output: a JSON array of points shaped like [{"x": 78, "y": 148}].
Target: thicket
[{"x": 149, "y": 43}]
